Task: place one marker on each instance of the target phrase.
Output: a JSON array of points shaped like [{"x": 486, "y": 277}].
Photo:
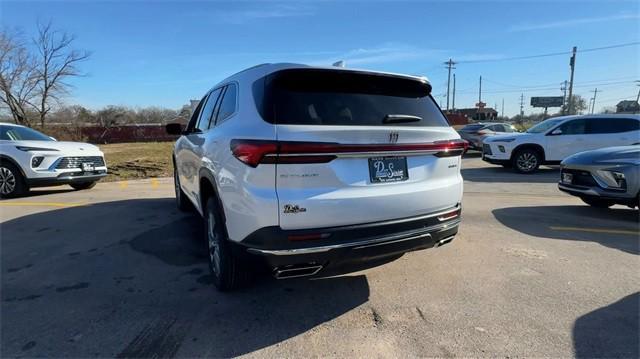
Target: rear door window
[
  {"x": 207, "y": 110},
  {"x": 344, "y": 98},
  {"x": 228, "y": 104},
  {"x": 612, "y": 125}
]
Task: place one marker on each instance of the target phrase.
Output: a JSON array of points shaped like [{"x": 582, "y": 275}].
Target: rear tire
[
  {"x": 182, "y": 202},
  {"x": 83, "y": 185},
  {"x": 596, "y": 202},
  {"x": 526, "y": 161},
  {"x": 12, "y": 183},
  {"x": 229, "y": 269}
]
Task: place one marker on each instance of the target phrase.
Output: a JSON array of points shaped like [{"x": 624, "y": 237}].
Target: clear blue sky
[{"x": 163, "y": 53}]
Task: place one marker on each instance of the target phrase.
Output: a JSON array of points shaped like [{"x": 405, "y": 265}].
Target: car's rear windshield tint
[{"x": 329, "y": 97}]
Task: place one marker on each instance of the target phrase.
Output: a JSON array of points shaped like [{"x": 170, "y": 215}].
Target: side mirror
[
  {"x": 174, "y": 129},
  {"x": 556, "y": 132}
]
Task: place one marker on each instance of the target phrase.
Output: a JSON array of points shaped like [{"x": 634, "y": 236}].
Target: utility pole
[
  {"x": 593, "y": 106},
  {"x": 563, "y": 88},
  {"x": 521, "y": 105},
  {"x": 449, "y": 64},
  {"x": 480, "y": 90},
  {"x": 637, "y": 97},
  {"x": 572, "y": 64},
  {"x": 453, "y": 104}
]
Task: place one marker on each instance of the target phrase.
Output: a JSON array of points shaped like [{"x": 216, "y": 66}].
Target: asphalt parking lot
[{"x": 118, "y": 271}]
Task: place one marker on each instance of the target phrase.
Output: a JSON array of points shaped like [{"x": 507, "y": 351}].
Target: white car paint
[
  {"x": 558, "y": 146},
  {"x": 21, "y": 152},
  {"x": 333, "y": 194}
]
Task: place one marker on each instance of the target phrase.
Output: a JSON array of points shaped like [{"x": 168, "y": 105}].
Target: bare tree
[
  {"x": 55, "y": 63},
  {"x": 18, "y": 80}
]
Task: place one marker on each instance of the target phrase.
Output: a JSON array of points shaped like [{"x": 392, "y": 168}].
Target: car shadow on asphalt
[
  {"x": 139, "y": 269},
  {"x": 611, "y": 227},
  {"x": 507, "y": 175},
  {"x": 609, "y": 332}
]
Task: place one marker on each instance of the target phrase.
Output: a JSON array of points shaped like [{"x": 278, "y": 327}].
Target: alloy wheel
[
  {"x": 527, "y": 161},
  {"x": 7, "y": 181}
]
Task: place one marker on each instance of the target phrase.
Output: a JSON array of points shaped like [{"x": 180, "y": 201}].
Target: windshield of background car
[
  {"x": 15, "y": 133},
  {"x": 471, "y": 128},
  {"x": 327, "y": 97},
  {"x": 544, "y": 126}
]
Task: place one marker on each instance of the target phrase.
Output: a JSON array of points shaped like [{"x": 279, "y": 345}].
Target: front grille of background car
[
  {"x": 581, "y": 178},
  {"x": 76, "y": 162},
  {"x": 486, "y": 149}
]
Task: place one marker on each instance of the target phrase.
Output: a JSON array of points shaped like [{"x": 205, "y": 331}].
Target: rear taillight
[
  {"x": 255, "y": 152},
  {"x": 452, "y": 148},
  {"x": 251, "y": 152}
]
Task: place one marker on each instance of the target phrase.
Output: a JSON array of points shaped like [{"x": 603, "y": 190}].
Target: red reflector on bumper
[{"x": 449, "y": 215}]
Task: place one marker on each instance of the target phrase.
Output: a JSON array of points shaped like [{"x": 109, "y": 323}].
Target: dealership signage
[{"x": 548, "y": 101}]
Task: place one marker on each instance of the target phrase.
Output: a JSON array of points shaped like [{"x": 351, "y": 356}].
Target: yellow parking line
[
  {"x": 596, "y": 230},
  {"x": 43, "y": 204}
]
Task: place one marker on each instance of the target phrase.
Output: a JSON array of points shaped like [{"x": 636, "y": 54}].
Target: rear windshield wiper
[{"x": 391, "y": 118}]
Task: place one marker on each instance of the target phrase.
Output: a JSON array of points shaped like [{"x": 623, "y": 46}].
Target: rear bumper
[
  {"x": 337, "y": 246},
  {"x": 67, "y": 178}
]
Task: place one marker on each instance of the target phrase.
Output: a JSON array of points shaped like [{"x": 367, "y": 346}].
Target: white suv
[
  {"x": 555, "y": 139},
  {"x": 29, "y": 158},
  {"x": 308, "y": 167}
]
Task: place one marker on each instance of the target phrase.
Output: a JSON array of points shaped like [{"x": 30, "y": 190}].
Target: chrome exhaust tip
[
  {"x": 444, "y": 241},
  {"x": 296, "y": 271}
]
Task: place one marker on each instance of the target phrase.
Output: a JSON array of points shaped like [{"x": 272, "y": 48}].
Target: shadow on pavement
[
  {"x": 130, "y": 279},
  {"x": 610, "y": 332},
  {"x": 557, "y": 221},
  {"x": 507, "y": 175}
]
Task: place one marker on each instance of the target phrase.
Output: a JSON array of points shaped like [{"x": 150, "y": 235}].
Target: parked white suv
[
  {"x": 555, "y": 139},
  {"x": 310, "y": 167},
  {"x": 29, "y": 158}
]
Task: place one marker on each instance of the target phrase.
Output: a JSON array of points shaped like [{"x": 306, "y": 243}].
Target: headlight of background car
[{"x": 613, "y": 179}]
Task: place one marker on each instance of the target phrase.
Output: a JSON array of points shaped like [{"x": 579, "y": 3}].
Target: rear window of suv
[{"x": 343, "y": 98}]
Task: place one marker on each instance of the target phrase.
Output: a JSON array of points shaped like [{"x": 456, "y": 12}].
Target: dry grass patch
[{"x": 138, "y": 160}]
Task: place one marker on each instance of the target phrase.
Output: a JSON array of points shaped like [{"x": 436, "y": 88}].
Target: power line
[
  {"x": 547, "y": 88},
  {"x": 591, "y": 82},
  {"x": 549, "y": 54}
]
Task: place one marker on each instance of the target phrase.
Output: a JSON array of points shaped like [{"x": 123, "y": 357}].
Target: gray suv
[{"x": 604, "y": 177}]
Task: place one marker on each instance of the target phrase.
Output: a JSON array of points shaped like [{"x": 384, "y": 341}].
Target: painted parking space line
[
  {"x": 42, "y": 204},
  {"x": 596, "y": 230}
]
